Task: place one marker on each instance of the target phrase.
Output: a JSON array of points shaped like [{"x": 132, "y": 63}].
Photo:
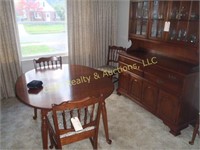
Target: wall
[{"x": 123, "y": 17}]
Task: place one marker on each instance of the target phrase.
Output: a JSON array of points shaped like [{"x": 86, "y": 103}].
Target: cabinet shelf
[
  {"x": 184, "y": 20},
  {"x": 157, "y": 19},
  {"x": 139, "y": 19}
]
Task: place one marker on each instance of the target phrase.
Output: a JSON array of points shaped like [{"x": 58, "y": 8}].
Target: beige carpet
[{"x": 130, "y": 126}]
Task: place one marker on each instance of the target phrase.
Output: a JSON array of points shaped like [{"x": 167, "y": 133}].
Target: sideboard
[{"x": 166, "y": 87}]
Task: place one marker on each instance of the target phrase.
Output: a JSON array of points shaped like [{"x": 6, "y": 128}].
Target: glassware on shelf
[
  {"x": 174, "y": 13},
  {"x": 173, "y": 34},
  {"x": 144, "y": 29},
  {"x": 138, "y": 27},
  {"x": 192, "y": 38},
  {"x": 179, "y": 35},
  {"x": 194, "y": 16},
  {"x": 145, "y": 13},
  {"x": 160, "y": 16},
  {"x": 183, "y": 13},
  {"x": 182, "y": 35},
  {"x": 159, "y": 34}
]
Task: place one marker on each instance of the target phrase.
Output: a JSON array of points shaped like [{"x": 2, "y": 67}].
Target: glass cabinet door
[
  {"x": 184, "y": 19},
  {"x": 193, "y": 27},
  {"x": 158, "y": 16},
  {"x": 139, "y": 18}
]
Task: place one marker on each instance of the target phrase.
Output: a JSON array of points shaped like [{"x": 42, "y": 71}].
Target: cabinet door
[
  {"x": 123, "y": 82},
  {"x": 135, "y": 88},
  {"x": 168, "y": 107},
  {"x": 158, "y": 17},
  {"x": 149, "y": 96},
  {"x": 184, "y": 22},
  {"x": 138, "y": 21}
]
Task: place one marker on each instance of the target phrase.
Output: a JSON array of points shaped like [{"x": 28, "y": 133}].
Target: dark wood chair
[
  {"x": 53, "y": 62},
  {"x": 112, "y": 62},
  {"x": 48, "y": 62},
  {"x": 61, "y": 130}
]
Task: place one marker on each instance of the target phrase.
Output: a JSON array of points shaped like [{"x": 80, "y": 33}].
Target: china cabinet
[
  {"x": 165, "y": 47},
  {"x": 148, "y": 19}
]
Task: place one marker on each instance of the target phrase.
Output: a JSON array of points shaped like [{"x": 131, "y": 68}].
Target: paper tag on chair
[{"x": 76, "y": 124}]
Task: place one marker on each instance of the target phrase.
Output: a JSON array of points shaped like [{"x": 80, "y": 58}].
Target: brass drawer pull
[
  {"x": 171, "y": 77},
  {"x": 160, "y": 81}
]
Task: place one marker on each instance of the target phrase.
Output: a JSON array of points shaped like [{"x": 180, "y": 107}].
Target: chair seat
[
  {"x": 68, "y": 121},
  {"x": 68, "y": 124},
  {"x": 76, "y": 132},
  {"x": 107, "y": 68}
]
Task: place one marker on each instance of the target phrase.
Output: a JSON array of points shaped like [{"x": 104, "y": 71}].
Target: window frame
[{"x": 64, "y": 53}]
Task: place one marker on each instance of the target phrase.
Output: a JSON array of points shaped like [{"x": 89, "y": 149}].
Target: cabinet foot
[
  {"x": 175, "y": 132},
  {"x": 119, "y": 93}
]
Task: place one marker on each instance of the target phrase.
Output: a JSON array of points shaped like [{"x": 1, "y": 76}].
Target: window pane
[{"x": 42, "y": 27}]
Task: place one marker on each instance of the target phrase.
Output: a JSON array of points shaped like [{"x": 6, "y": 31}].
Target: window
[{"x": 42, "y": 27}]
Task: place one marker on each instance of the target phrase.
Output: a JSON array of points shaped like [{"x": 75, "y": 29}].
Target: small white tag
[
  {"x": 167, "y": 26},
  {"x": 76, "y": 124}
]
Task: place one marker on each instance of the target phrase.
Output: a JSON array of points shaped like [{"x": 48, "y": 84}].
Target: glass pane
[
  {"x": 42, "y": 27},
  {"x": 155, "y": 10},
  {"x": 139, "y": 10},
  {"x": 144, "y": 27},
  {"x": 160, "y": 29},
  {"x": 154, "y": 28},
  {"x": 138, "y": 28},
  {"x": 145, "y": 9}
]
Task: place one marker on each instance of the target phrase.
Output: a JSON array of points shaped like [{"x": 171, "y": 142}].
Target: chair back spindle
[
  {"x": 113, "y": 53},
  {"x": 48, "y": 62}
]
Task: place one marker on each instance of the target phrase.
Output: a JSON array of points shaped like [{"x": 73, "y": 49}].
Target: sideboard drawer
[
  {"x": 165, "y": 78},
  {"x": 137, "y": 66}
]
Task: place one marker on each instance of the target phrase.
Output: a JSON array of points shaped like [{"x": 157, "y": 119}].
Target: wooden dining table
[{"x": 68, "y": 83}]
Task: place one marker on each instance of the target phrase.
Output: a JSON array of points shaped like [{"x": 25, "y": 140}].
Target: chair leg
[
  {"x": 195, "y": 132},
  {"x": 95, "y": 142},
  {"x": 51, "y": 141},
  {"x": 95, "y": 145},
  {"x": 35, "y": 113}
]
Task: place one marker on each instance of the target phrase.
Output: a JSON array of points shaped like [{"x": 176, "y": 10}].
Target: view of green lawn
[
  {"x": 44, "y": 28},
  {"x": 35, "y": 49}
]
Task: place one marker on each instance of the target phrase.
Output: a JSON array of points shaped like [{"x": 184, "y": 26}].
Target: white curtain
[
  {"x": 10, "y": 65},
  {"x": 92, "y": 26}
]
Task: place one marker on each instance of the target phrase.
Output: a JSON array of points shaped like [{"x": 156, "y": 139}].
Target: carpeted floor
[{"x": 130, "y": 127}]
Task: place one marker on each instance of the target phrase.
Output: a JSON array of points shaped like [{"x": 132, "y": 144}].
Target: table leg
[
  {"x": 105, "y": 122},
  {"x": 44, "y": 129}
]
